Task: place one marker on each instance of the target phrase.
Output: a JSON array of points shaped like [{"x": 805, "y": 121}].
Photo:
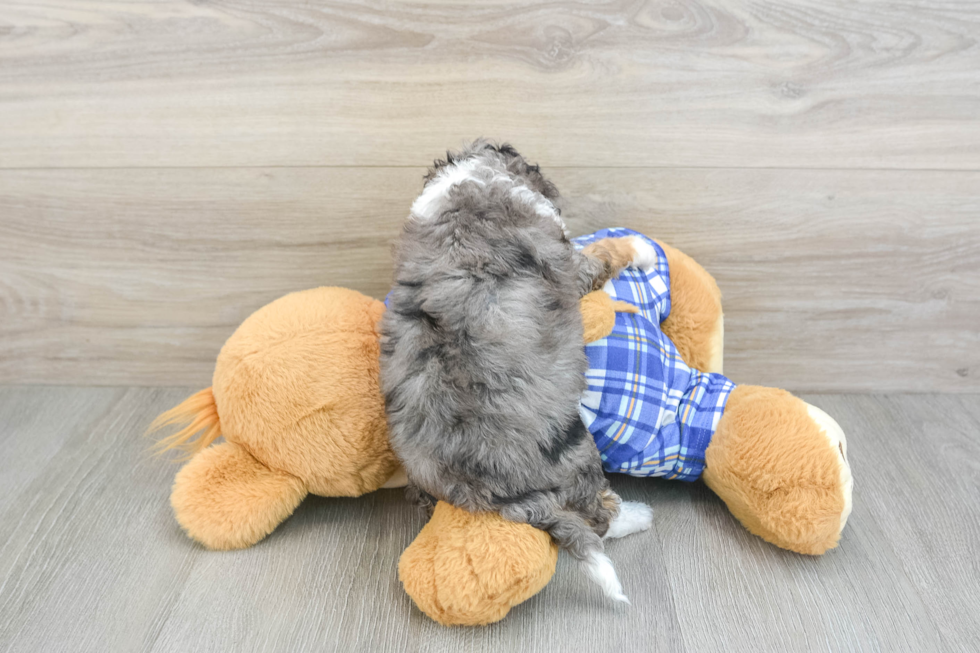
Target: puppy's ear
[
  {"x": 508, "y": 150},
  {"x": 437, "y": 165},
  {"x": 531, "y": 172}
]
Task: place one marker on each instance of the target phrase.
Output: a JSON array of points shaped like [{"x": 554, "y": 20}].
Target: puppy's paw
[
  {"x": 633, "y": 517},
  {"x": 419, "y": 497},
  {"x": 644, "y": 254}
]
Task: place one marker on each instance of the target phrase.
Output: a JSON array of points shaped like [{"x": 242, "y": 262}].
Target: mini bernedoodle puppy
[{"x": 482, "y": 360}]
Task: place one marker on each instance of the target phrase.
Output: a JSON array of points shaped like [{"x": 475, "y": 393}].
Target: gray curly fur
[{"x": 482, "y": 363}]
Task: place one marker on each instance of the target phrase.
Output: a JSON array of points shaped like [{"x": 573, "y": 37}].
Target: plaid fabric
[{"x": 650, "y": 414}]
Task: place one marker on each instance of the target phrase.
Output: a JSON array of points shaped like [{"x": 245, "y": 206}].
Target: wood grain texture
[
  {"x": 800, "y": 83},
  {"x": 937, "y": 540},
  {"x": 92, "y": 560},
  {"x": 863, "y": 596},
  {"x": 832, "y": 280},
  {"x": 87, "y": 548}
]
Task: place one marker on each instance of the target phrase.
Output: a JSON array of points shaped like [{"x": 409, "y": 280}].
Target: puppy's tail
[
  {"x": 200, "y": 410},
  {"x": 601, "y": 571},
  {"x": 573, "y": 534}
]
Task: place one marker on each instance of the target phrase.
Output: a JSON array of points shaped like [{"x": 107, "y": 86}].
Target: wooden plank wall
[{"x": 168, "y": 167}]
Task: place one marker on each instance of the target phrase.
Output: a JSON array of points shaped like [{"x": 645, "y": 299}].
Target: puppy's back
[{"x": 482, "y": 359}]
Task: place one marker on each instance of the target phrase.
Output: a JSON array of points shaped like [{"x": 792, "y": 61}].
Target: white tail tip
[{"x": 601, "y": 571}]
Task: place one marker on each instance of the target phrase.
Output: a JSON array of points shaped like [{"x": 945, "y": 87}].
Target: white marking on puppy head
[
  {"x": 426, "y": 205},
  {"x": 539, "y": 204},
  {"x": 430, "y": 203}
]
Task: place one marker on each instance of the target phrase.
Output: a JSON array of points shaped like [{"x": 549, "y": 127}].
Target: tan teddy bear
[{"x": 296, "y": 397}]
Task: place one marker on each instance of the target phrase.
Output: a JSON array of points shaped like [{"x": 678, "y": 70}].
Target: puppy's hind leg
[
  {"x": 632, "y": 517},
  {"x": 419, "y": 497},
  {"x": 626, "y": 518}
]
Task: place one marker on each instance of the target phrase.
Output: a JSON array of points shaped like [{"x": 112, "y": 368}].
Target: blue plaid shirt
[{"x": 650, "y": 414}]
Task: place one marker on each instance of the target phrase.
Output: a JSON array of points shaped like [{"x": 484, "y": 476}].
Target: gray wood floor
[{"x": 92, "y": 560}]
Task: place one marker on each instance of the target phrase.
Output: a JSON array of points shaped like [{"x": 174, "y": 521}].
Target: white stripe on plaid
[{"x": 650, "y": 414}]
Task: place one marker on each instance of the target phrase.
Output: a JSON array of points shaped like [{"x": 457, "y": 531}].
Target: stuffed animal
[{"x": 296, "y": 396}]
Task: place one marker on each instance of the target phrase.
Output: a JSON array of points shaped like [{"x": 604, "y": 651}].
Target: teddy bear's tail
[{"x": 200, "y": 410}]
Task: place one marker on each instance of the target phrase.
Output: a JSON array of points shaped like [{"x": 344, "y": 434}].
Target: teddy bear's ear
[{"x": 226, "y": 499}]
